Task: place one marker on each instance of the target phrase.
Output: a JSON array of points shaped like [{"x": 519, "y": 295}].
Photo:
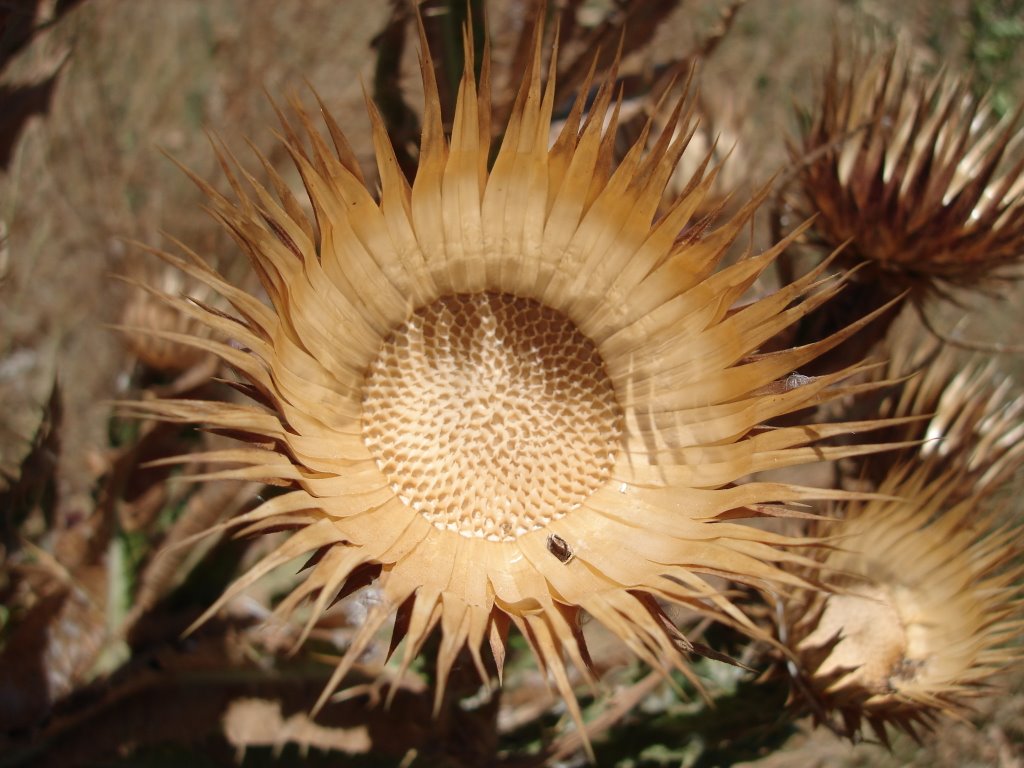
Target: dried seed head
[
  {"x": 926, "y": 598},
  {"x": 492, "y": 416},
  {"x": 509, "y": 394},
  {"x": 149, "y": 323},
  {"x": 926, "y": 583},
  {"x": 966, "y": 414},
  {"x": 920, "y": 175}
]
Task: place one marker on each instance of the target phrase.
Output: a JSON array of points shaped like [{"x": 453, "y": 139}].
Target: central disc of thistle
[
  {"x": 877, "y": 645},
  {"x": 491, "y": 415}
]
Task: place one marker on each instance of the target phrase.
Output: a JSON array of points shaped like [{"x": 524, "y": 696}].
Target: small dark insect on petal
[{"x": 558, "y": 547}]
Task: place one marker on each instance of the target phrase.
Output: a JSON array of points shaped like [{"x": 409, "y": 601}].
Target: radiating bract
[{"x": 926, "y": 576}]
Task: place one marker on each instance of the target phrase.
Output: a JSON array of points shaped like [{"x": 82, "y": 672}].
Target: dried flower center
[
  {"x": 491, "y": 415},
  {"x": 879, "y": 643}
]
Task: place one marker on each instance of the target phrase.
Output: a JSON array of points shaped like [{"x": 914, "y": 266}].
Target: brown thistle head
[{"x": 919, "y": 175}]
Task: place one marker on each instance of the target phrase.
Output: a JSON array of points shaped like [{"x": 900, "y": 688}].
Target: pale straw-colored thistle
[
  {"x": 975, "y": 429},
  {"x": 924, "y": 616},
  {"x": 508, "y": 395},
  {"x": 926, "y": 609},
  {"x": 144, "y": 312}
]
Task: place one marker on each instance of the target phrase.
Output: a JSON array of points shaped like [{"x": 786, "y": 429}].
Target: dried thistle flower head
[
  {"x": 927, "y": 598},
  {"x": 919, "y": 174},
  {"x": 508, "y": 395},
  {"x": 926, "y": 583},
  {"x": 145, "y": 312}
]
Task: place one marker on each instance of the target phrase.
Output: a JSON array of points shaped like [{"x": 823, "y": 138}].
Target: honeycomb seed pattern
[{"x": 491, "y": 415}]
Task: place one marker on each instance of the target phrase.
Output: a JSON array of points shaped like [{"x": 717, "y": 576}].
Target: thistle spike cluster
[
  {"x": 145, "y": 311},
  {"x": 975, "y": 428},
  {"x": 919, "y": 175}
]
